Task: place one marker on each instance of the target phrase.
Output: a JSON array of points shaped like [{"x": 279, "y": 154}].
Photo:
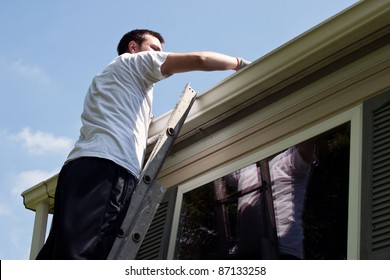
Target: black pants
[{"x": 91, "y": 200}]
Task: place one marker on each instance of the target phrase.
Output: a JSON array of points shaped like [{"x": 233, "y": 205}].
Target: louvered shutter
[
  {"x": 375, "y": 211},
  {"x": 156, "y": 241}
]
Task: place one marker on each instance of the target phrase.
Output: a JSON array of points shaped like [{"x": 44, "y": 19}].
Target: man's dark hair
[{"x": 138, "y": 36}]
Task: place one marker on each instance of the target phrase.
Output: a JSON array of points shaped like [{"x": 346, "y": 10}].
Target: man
[{"x": 96, "y": 182}]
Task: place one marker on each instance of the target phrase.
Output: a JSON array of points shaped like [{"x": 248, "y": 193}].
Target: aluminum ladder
[{"x": 149, "y": 193}]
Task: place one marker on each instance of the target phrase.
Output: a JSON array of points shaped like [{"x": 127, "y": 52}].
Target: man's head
[{"x": 140, "y": 40}]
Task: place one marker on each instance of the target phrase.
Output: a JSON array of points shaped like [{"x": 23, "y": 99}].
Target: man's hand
[{"x": 241, "y": 63}]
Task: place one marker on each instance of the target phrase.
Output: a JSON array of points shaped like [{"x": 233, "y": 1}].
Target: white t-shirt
[
  {"x": 117, "y": 110},
  {"x": 290, "y": 175}
]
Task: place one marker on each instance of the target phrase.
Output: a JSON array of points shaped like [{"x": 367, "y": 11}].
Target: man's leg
[{"x": 91, "y": 201}]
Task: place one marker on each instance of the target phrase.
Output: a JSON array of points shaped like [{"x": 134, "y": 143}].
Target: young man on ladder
[{"x": 97, "y": 180}]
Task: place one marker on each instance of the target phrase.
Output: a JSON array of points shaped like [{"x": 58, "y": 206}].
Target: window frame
[{"x": 353, "y": 115}]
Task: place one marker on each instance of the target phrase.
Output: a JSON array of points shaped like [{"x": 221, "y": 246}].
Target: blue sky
[{"x": 50, "y": 51}]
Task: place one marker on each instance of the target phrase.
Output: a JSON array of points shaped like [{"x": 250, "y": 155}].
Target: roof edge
[{"x": 315, "y": 45}]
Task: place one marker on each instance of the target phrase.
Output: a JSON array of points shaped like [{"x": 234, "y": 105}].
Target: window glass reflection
[{"x": 292, "y": 205}]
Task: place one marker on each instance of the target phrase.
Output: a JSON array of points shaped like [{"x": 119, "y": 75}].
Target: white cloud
[
  {"x": 4, "y": 209},
  {"x": 39, "y": 142},
  {"x": 27, "y": 179},
  {"x": 31, "y": 72}
]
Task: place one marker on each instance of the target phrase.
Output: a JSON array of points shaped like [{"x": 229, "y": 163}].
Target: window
[{"x": 231, "y": 217}]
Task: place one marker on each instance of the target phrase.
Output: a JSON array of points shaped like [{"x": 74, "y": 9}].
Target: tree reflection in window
[{"x": 211, "y": 227}]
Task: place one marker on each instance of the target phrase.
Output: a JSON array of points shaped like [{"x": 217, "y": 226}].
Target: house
[{"x": 331, "y": 86}]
